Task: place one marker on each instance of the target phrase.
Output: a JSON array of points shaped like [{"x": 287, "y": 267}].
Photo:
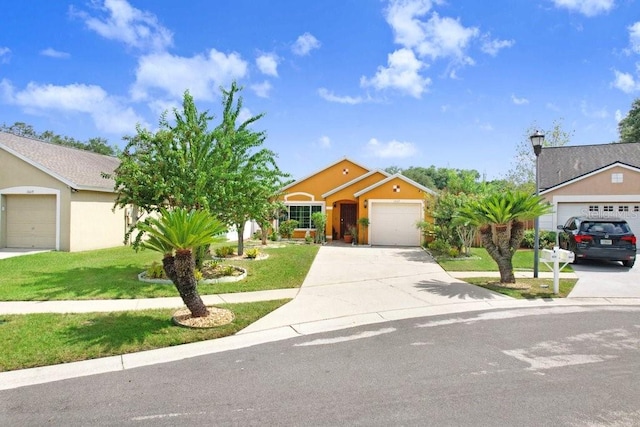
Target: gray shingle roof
[
  {"x": 79, "y": 169},
  {"x": 561, "y": 164}
]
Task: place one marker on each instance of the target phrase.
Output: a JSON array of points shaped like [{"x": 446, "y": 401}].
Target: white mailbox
[{"x": 562, "y": 255}]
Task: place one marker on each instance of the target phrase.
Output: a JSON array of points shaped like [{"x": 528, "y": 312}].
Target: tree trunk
[
  {"x": 186, "y": 283},
  {"x": 499, "y": 251},
  {"x": 240, "y": 239}
]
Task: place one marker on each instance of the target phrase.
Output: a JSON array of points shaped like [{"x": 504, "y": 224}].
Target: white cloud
[
  {"x": 625, "y": 82},
  {"x": 487, "y": 127},
  {"x": 125, "y": 23},
  {"x": 305, "y": 44},
  {"x": 634, "y": 37},
  {"x": 619, "y": 116},
  {"x": 107, "y": 112},
  {"x": 52, "y": 53},
  {"x": 593, "y": 113},
  {"x": 519, "y": 101},
  {"x": 391, "y": 149},
  {"x": 200, "y": 74},
  {"x": 402, "y": 16},
  {"x": 492, "y": 47},
  {"x": 586, "y": 7},
  {"x": 331, "y": 97},
  {"x": 262, "y": 89},
  {"x": 268, "y": 64},
  {"x": 402, "y": 73},
  {"x": 447, "y": 38},
  {"x": 244, "y": 115},
  {"x": 5, "y": 53},
  {"x": 324, "y": 142}
]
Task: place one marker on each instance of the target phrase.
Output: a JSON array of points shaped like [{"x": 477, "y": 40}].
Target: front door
[{"x": 347, "y": 216}]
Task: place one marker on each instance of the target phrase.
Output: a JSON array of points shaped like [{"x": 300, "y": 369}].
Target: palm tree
[
  {"x": 180, "y": 231},
  {"x": 500, "y": 217}
]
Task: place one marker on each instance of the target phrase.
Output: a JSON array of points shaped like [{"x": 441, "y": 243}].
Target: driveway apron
[
  {"x": 606, "y": 280},
  {"x": 356, "y": 280}
]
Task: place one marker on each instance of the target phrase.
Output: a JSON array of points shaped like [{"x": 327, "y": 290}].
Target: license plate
[{"x": 605, "y": 241}]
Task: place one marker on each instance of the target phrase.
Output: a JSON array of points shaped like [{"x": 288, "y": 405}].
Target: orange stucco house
[{"x": 347, "y": 191}]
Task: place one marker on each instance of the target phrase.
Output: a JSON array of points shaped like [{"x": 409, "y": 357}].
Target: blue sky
[{"x": 452, "y": 83}]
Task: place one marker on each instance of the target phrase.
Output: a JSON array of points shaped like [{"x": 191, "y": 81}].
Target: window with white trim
[
  {"x": 617, "y": 178},
  {"x": 594, "y": 208},
  {"x": 623, "y": 208},
  {"x": 636, "y": 208},
  {"x": 302, "y": 214},
  {"x": 608, "y": 208}
]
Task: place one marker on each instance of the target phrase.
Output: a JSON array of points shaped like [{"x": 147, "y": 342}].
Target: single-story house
[
  {"x": 347, "y": 191},
  {"x": 598, "y": 180},
  {"x": 55, "y": 197}
]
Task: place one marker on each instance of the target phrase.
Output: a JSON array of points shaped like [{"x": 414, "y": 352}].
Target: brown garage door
[{"x": 31, "y": 221}]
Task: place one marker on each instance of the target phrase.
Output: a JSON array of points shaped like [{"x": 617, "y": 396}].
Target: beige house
[
  {"x": 55, "y": 197},
  {"x": 596, "y": 180}
]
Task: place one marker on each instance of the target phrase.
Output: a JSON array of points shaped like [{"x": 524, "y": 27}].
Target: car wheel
[
  {"x": 629, "y": 263},
  {"x": 576, "y": 260}
]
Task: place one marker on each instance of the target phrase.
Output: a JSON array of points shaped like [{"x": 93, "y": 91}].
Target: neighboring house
[
  {"x": 602, "y": 180},
  {"x": 347, "y": 191},
  {"x": 55, "y": 197}
]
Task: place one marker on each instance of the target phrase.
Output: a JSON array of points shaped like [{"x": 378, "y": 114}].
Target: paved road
[{"x": 556, "y": 366}]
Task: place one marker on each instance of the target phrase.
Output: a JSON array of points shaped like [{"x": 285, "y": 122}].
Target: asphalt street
[{"x": 555, "y": 366}]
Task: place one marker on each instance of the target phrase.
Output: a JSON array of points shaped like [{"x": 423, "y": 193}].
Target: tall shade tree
[
  {"x": 522, "y": 175},
  {"x": 500, "y": 217},
  {"x": 247, "y": 176},
  {"x": 629, "y": 127},
  {"x": 176, "y": 234}
]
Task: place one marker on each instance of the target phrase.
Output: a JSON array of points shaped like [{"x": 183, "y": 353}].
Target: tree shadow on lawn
[
  {"x": 116, "y": 331},
  {"x": 87, "y": 283},
  {"x": 459, "y": 290}
]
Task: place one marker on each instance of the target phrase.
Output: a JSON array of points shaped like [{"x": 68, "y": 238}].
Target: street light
[{"x": 536, "y": 140}]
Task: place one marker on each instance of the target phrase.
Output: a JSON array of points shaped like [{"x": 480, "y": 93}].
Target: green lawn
[
  {"x": 481, "y": 261},
  {"x": 526, "y": 288},
  {"x": 112, "y": 274},
  {"x": 45, "y": 339}
]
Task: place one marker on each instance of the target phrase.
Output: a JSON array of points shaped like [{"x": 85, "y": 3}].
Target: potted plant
[
  {"x": 352, "y": 230},
  {"x": 364, "y": 223}
]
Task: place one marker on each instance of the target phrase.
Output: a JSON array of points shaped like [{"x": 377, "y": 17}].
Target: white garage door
[
  {"x": 394, "y": 224},
  {"x": 627, "y": 211},
  {"x": 31, "y": 221}
]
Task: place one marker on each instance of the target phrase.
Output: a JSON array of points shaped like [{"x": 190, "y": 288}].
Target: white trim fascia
[
  {"x": 590, "y": 174},
  {"x": 390, "y": 178},
  {"x": 324, "y": 168},
  {"x": 300, "y": 193},
  {"x": 353, "y": 181},
  {"x": 33, "y": 191}
]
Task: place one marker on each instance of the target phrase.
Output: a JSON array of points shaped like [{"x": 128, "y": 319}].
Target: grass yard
[
  {"x": 45, "y": 339},
  {"x": 481, "y": 261},
  {"x": 525, "y": 288},
  {"x": 112, "y": 274}
]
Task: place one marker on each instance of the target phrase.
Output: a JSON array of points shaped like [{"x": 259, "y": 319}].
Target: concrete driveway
[
  {"x": 348, "y": 281},
  {"x": 10, "y": 252},
  {"x": 606, "y": 280}
]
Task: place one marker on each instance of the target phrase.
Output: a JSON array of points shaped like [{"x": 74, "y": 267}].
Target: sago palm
[
  {"x": 175, "y": 234},
  {"x": 500, "y": 217}
]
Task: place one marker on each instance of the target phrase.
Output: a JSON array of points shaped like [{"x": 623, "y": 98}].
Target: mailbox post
[{"x": 556, "y": 256}]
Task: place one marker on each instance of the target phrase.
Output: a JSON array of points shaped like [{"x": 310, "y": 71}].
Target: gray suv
[{"x": 609, "y": 239}]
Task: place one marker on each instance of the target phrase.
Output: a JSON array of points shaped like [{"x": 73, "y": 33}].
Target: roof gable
[
  {"x": 355, "y": 181},
  {"x": 76, "y": 168},
  {"x": 328, "y": 178},
  {"x": 561, "y": 164},
  {"x": 391, "y": 178},
  {"x": 590, "y": 174}
]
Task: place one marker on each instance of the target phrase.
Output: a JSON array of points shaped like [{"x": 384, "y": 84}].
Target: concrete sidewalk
[{"x": 346, "y": 286}]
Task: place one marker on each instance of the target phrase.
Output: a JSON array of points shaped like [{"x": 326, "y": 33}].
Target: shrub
[
  {"x": 224, "y": 251},
  {"x": 454, "y": 252},
  {"x": 252, "y": 253},
  {"x": 440, "y": 246},
  {"x": 287, "y": 227},
  {"x": 546, "y": 239},
  {"x": 198, "y": 275},
  {"x": 156, "y": 271}
]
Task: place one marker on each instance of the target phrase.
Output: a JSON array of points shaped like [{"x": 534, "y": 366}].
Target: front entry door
[{"x": 347, "y": 216}]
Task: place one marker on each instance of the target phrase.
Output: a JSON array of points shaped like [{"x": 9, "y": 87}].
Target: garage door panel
[
  {"x": 567, "y": 210},
  {"x": 394, "y": 224},
  {"x": 31, "y": 221}
]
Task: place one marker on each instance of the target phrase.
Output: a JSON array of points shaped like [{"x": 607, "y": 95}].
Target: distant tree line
[{"x": 96, "y": 145}]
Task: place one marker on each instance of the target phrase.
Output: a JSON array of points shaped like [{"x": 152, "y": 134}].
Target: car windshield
[{"x": 605, "y": 227}]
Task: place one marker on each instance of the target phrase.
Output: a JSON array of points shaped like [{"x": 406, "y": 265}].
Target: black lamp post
[{"x": 536, "y": 140}]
